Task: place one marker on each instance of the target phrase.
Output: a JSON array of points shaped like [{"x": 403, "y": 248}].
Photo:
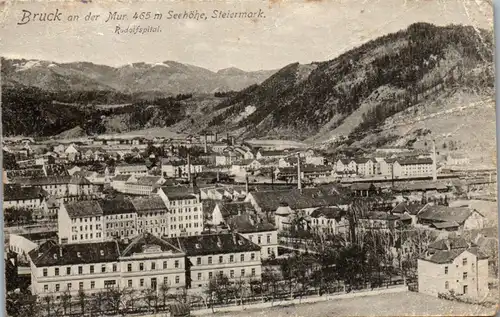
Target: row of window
[
  {"x": 188, "y": 225},
  {"x": 141, "y": 266},
  {"x": 231, "y": 274},
  {"x": 86, "y": 219},
  {"x": 464, "y": 263},
  {"x": 199, "y": 260},
  {"x": 259, "y": 239},
  {"x": 183, "y": 202},
  {"x": 85, "y": 228},
  {"x": 80, "y": 270},
  {"x": 87, "y": 236},
  {"x": 180, "y": 210},
  {"x": 173, "y": 219}
]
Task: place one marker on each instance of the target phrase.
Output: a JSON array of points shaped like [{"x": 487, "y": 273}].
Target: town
[{"x": 117, "y": 224}]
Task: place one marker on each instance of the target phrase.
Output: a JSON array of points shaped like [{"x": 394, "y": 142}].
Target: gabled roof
[
  {"x": 450, "y": 243},
  {"x": 52, "y": 254},
  {"x": 327, "y": 212},
  {"x": 84, "y": 208},
  {"x": 414, "y": 161},
  {"x": 150, "y": 203},
  {"x": 30, "y": 172},
  {"x": 178, "y": 192},
  {"x": 234, "y": 208},
  {"x": 447, "y": 256},
  {"x": 445, "y": 214},
  {"x": 41, "y": 181},
  {"x": 140, "y": 244},
  {"x": 245, "y": 224},
  {"x": 116, "y": 206},
  {"x": 122, "y": 177},
  {"x": 221, "y": 243}
]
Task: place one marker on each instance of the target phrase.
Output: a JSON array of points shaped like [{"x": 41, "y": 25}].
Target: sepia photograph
[{"x": 249, "y": 158}]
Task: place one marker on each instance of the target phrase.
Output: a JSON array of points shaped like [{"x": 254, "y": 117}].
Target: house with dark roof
[
  {"x": 212, "y": 255},
  {"x": 33, "y": 198},
  {"x": 145, "y": 262},
  {"x": 329, "y": 220},
  {"x": 223, "y": 210},
  {"x": 142, "y": 185},
  {"x": 153, "y": 215},
  {"x": 270, "y": 154},
  {"x": 451, "y": 218},
  {"x": 453, "y": 265},
  {"x": 133, "y": 169},
  {"x": 80, "y": 221},
  {"x": 412, "y": 167},
  {"x": 409, "y": 210}
]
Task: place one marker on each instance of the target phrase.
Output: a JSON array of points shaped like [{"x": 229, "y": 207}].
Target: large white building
[
  {"x": 145, "y": 262},
  {"x": 185, "y": 210},
  {"x": 213, "y": 255},
  {"x": 453, "y": 265}
]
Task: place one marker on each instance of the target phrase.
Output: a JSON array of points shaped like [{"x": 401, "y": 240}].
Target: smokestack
[
  {"x": 299, "y": 181},
  {"x": 189, "y": 167},
  {"x": 205, "y": 143},
  {"x": 246, "y": 184},
  {"x": 434, "y": 159}
]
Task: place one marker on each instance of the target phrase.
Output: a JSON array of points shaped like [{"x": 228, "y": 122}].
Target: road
[{"x": 397, "y": 304}]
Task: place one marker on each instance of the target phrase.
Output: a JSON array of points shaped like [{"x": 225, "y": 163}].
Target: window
[
  {"x": 464, "y": 261},
  {"x": 445, "y": 270},
  {"x": 68, "y": 286},
  {"x": 176, "y": 264},
  {"x": 103, "y": 268},
  {"x": 466, "y": 288},
  {"x": 91, "y": 269},
  {"x": 80, "y": 285},
  {"x": 164, "y": 264},
  {"x": 252, "y": 256},
  {"x": 45, "y": 288},
  {"x": 129, "y": 267},
  {"x": 114, "y": 267},
  {"x": 259, "y": 239},
  {"x": 154, "y": 283},
  {"x": 92, "y": 284},
  {"x": 464, "y": 275},
  {"x": 177, "y": 279},
  {"x": 44, "y": 272},
  {"x": 56, "y": 271},
  {"x": 57, "y": 287},
  {"x": 68, "y": 270},
  {"x": 242, "y": 272},
  {"x": 231, "y": 274},
  {"x": 242, "y": 257},
  {"x": 153, "y": 265},
  {"x": 209, "y": 260},
  {"x": 141, "y": 282},
  {"x": 80, "y": 270},
  {"x": 199, "y": 276},
  {"x": 221, "y": 259},
  {"x": 198, "y": 261},
  {"x": 165, "y": 280},
  {"x": 210, "y": 275},
  {"x": 253, "y": 272},
  {"x": 141, "y": 266},
  {"x": 268, "y": 238}
]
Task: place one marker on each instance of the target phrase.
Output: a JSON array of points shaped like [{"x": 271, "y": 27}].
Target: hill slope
[{"x": 355, "y": 92}]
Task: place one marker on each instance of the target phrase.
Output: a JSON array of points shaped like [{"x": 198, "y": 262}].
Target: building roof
[
  {"x": 84, "y": 208},
  {"x": 271, "y": 153},
  {"x": 445, "y": 214},
  {"x": 116, "y": 206},
  {"x": 414, "y": 161},
  {"x": 39, "y": 236},
  {"x": 31, "y": 172},
  {"x": 45, "y": 180},
  {"x": 448, "y": 255},
  {"x": 150, "y": 203},
  {"x": 79, "y": 180},
  {"x": 12, "y": 192},
  {"x": 234, "y": 208},
  {"x": 297, "y": 199},
  {"x": 450, "y": 243},
  {"x": 246, "y": 224},
  {"x": 52, "y": 254},
  {"x": 221, "y": 243},
  {"x": 327, "y": 212},
  {"x": 445, "y": 225},
  {"x": 145, "y": 241},
  {"x": 378, "y": 215},
  {"x": 122, "y": 177},
  {"x": 148, "y": 180},
  {"x": 178, "y": 192},
  {"x": 412, "y": 209}
]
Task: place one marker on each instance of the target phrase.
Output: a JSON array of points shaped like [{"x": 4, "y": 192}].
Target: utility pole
[
  {"x": 434, "y": 161},
  {"x": 299, "y": 181}
]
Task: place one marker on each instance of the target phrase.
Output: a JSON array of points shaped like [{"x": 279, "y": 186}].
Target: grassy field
[{"x": 398, "y": 304}]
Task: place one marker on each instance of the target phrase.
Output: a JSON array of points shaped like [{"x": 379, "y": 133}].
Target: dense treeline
[{"x": 31, "y": 111}]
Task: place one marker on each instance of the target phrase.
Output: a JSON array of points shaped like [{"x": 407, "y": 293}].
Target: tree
[
  {"x": 164, "y": 288},
  {"x": 66, "y": 301},
  {"x": 151, "y": 299},
  {"x": 48, "y": 302},
  {"x": 271, "y": 281},
  {"x": 20, "y": 305},
  {"x": 98, "y": 301},
  {"x": 82, "y": 296},
  {"x": 114, "y": 297}
]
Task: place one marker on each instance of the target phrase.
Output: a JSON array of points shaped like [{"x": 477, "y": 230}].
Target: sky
[{"x": 292, "y": 31}]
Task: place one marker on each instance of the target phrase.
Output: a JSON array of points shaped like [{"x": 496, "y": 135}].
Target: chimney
[
  {"x": 60, "y": 251},
  {"x": 215, "y": 137},
  {"x": 189, "y": 167},
  {"x": 246, "y": 184},
  {"x": 234, "y": 238},
  {"x": 434, "y": 161},
  {"x": 299, "y": 181},
  {"x": 448, "y": 245},
  {"x": 205, "y": 142}
]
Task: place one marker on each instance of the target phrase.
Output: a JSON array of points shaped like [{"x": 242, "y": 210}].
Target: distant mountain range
[{"x": 168, "y": 77}]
